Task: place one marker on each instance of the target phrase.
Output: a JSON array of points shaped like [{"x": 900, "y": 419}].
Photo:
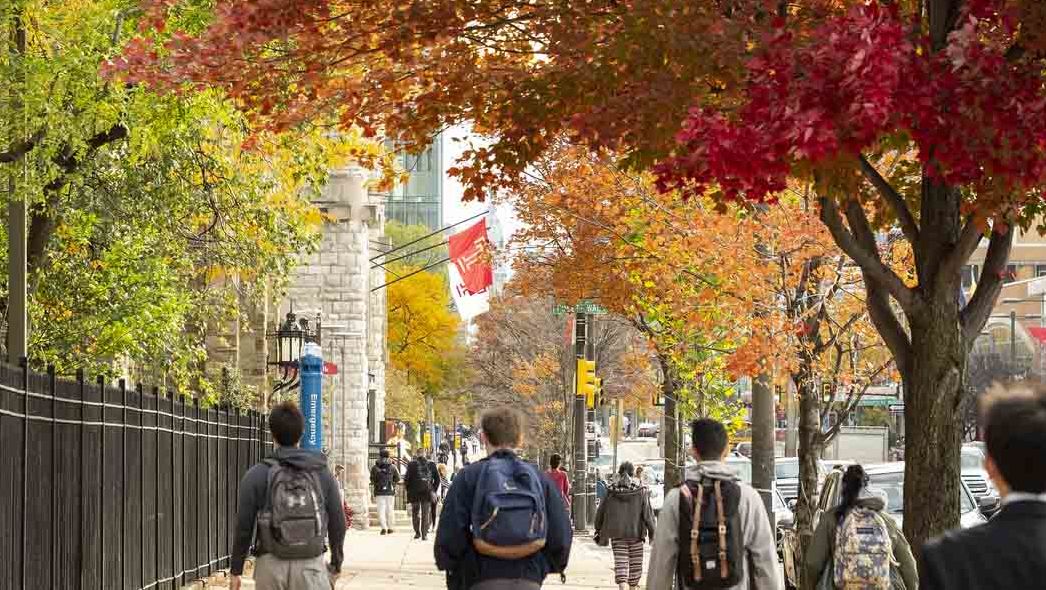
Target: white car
[{"x": 654, "y": 479}]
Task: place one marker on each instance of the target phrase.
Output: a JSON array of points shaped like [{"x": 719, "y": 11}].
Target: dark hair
[
  {"x": 555, "y": 460},
  {"x": 708, "y": 437},
  {"x": 384, "y": 453},
  {"x": 626, "y": 469},
  {"x": 286, "y": 423},
  {"x": 854, "y": 480},
  {"x": 1015, "y": 433},
  {"x": 502, "y": 426}
]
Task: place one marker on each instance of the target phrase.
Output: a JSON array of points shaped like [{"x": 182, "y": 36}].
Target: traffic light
[
  {"x": 826, "y": 391},
  {"x": 586, "y": 381},
  {"x": 601, "y": 396}
]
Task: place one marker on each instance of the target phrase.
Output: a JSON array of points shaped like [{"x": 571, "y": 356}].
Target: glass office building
[{"x": 420, "y": 199}]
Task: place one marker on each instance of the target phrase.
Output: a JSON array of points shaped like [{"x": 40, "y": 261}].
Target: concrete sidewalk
[
  {"x": 374, "y": 562},
  {"x": 384, "y": 562}
]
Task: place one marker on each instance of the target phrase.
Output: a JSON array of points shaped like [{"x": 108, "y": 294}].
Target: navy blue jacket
[{"x": 456, "y": 555}]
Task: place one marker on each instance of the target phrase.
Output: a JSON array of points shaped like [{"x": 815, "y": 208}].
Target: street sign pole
[{"x": 580, "y": 504}]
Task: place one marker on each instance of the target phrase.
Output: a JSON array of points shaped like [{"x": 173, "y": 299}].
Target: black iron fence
[{"x": 104, "y": 487}]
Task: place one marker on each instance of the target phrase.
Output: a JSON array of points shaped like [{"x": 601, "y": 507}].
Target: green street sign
[{"x": 583, "y": 306}]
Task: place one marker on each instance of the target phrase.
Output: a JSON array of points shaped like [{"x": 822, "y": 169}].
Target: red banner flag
[{"x": 468, "y": 254}]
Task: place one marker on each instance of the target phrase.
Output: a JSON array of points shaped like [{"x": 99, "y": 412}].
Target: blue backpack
[{"x": 509, "y": 520}]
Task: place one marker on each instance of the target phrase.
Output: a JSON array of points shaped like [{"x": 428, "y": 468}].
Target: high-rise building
[{"x": 419, "y": 200}]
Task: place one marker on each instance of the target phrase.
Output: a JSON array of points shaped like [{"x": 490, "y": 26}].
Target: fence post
[
  {"x": 123, "y": 481},
  {"x": 176, "y": 579},
  {"x": 80, "y": 387},
  {"x": 141, "y": 476},
  {"x": 23, "y": 363},
  {"x": 101, "y": 486},
  {"x": 55, "y": 477},
  {"x": 196, "y": 481},
  {"x": 156, "y": 506}
]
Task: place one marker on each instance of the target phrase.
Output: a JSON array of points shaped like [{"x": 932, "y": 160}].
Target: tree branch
[
  {"x": 969, "y": 239},
  {"x": 989, "y": 285},
  {"x": 896, "y": 201},
  {"x": 19, "y": 149},
  {"x": 856, "y": 246}
]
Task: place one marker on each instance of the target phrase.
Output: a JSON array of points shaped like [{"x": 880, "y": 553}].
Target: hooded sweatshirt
[
  {"x": 255, "y": 487},
  {"x": 760, "y": 564},
  {"x": 384, "y": 465},
  {"x": 823, "y": 544},
  {"x": 625, "y": 513}
]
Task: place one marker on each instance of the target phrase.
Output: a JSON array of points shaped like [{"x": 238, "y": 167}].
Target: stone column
[{"x": 335, "y": 283}]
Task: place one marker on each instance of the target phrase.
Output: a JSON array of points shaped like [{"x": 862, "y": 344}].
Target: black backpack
[
  {"x": 711, "y": 545},
  {"x": 423, "y": 485},
  {"x": 293, "y": 523},
  {"x": 383, "y": 483}
]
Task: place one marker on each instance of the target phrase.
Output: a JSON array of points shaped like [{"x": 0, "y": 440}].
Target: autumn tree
[
  {"x": 768, "y": 90},
  {"x": 523, "y": 356}
]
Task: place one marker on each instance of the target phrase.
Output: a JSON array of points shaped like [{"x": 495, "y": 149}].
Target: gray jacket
[
  {"x": 625, "y": 513},
  {"x": 761, "y": 564}
]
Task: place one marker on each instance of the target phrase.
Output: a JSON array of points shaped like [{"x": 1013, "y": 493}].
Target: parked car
[
  {"x": 888, "y": 481},
  {"x": 743, "y": 449},
  {"x": 786, "y": 476},
  {"x": 977, "y": 479},
  {"x": 783, "y": 515},
  {"x": 648, "y": 429},
  {"x": 654, "y": 478}
]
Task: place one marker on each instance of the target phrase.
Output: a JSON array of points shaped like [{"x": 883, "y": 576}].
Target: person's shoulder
[{"x": 960, "y": 539}]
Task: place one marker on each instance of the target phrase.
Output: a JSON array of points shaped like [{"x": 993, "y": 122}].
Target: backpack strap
[
  {"x": 724, "y": 564},
  {"x": 695, "y": 529}
]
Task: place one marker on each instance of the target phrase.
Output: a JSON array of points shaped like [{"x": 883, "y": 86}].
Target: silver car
[
  {"x": 977, "y": 479},
  {"x": 887, "y": 480}
]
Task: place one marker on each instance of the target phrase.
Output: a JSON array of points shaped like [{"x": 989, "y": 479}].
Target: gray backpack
[{"x": 293, "y": 523}]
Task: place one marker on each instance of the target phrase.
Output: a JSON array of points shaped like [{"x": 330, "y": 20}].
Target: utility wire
[
  {"x": 408, "y": 275},
  {"x": 415, "y": 253},
  {"x": 429, "y": 235}
]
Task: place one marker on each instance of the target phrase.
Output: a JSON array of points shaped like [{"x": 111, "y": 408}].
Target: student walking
[
  {"x": 625, "y": 519},
  {"x": 384, "y": 476},
  {"x": 422, "y": 483},
  {"x": 1010, "y": 550},
  {"x": 504, "y": 525},
  {"x": 273, "y": 498},
  {"x": 857, "y": 546},
  {"x": 559, "y": 477},
  {"x": 733, "y": 546}
]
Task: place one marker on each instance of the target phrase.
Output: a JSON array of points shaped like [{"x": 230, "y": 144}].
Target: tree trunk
[
  {"x": 932, "y": 393},
  {"x": 673, "y": 469},
  {"x": 810, "y": 444}
]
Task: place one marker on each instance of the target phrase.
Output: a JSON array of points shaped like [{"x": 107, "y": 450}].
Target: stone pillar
[
  {"x": 335, "y": 283},
  {"x": 377, "y": 316}
]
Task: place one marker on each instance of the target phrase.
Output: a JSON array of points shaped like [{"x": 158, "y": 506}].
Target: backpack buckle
[
  {"x": 693, "y": 534},
  {"x": 722, "y": 529}
]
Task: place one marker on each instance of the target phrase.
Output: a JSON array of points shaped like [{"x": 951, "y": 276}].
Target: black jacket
[
  {"x": 418, "y": 470},
  {"x": 465, "y": 568},
  {"x": 375, "y": 477},
  {"x": 625, "y": 513},
  {"x": 253, "y": 490},
  {"x": 1009, "y": 552}
]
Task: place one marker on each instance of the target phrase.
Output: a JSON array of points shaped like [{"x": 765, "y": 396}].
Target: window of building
[
  {"x": 1040, "y": 270},
  {"x": 1011, "y": 273}
]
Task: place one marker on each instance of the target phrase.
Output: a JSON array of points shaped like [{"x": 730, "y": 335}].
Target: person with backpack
[
  {"x": 713, "y": 531},
  {"x": 385, "y": 477},
  {"x": 855, "y": 545},
  {"x": 421, "y": 481},
  {"x": 291, "y": 505},
  {"x": 624, "y": 520},
  {"x": 1010, "y": 550},
  {"x": 559, "y": 477},
  {"x": 504, "y": 525}
]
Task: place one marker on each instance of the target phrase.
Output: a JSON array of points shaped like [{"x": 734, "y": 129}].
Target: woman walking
[
  {"x": 856, "y": 546},
  {"x": 624, "y": 520}
]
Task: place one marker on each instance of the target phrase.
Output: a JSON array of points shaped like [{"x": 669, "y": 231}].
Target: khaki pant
[{"x": 273, "y": 573}]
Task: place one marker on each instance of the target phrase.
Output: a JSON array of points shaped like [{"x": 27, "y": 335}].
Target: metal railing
[{"x": 105, "y": 487}]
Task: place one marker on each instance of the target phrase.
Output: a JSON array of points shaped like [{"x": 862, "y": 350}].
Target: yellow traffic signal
[
  {"x": 601, "y": 398},
  {"x": 586, "y": 381}
]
